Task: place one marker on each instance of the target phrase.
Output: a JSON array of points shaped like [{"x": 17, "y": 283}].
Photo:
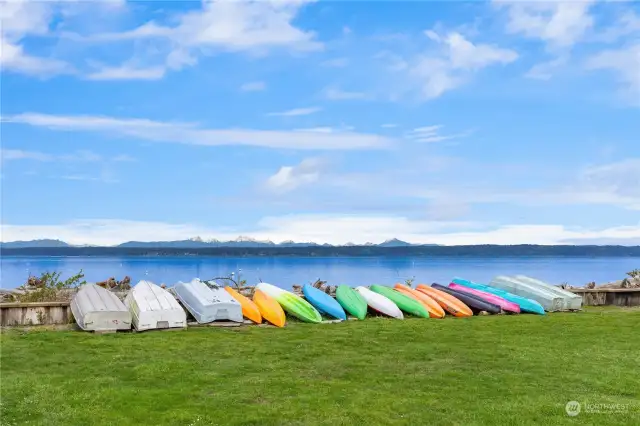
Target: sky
[{"x": 335, "y": 122}]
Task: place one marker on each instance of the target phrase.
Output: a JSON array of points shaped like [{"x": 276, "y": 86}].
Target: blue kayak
[
  {"x": 323, "y": 302},
  {"x": 526, "y": 305}
]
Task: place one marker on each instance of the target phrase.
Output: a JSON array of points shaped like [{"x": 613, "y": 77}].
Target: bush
[{"x": 48, "y": 287}]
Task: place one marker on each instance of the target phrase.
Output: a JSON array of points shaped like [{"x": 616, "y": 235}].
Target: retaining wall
[
  {"x": 608, "y": 296},
  {"x": 37, "y": 313}
]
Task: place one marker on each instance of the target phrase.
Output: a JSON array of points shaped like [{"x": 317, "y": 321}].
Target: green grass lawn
[{"x": 475, "y": 371}]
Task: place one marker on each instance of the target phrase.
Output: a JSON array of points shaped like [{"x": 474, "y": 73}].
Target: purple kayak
[{"x": 491, "y": 298}]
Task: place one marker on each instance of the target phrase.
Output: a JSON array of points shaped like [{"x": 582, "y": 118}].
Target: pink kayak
[{"x": 491, "y": 298}]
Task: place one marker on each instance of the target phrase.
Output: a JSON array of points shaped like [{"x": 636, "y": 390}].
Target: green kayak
[
  {"x": 294, "y": 305},
  {"x": 351, "y": 301},
  {"x": 405, "y": 303}
]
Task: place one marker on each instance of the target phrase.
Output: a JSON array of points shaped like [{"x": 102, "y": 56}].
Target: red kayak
[{"x": 491, "y": 298}]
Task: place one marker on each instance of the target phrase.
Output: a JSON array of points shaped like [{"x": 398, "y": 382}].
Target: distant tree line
[{"x": 320, "y": 251}]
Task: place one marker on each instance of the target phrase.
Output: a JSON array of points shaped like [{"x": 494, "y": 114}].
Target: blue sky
[{"x": 433, "y": 122}]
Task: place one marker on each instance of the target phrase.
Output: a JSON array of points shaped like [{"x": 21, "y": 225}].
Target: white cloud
[
  {"x": 625, "y": 63},
  {"x": 430, "y": 134},
  {"x": 234, "y": 26},
  {"x": 333, "y": 229},
  {"x": 560, "y": 24},
  {"x": 545, "y": 70},
  {"x": 253, "y": 86},
  {"x": 193, "y": 134},
  {"x": 82, "y": 156},
  {"x": 627, "y": 24},
  {"x": 621, "y": 178},
  {"x": 388, "y": 125},
  {"x": 289, "y": 178},
  {"x": 336, "y": 94},
  {"x": 455, "y": 63},
  {"x": 21, "y": 19},
  {"x": 295, "y": 112},
  {"x": 127, "y": 72}
]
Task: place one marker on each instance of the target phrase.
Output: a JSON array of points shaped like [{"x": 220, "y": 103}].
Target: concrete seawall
[{"x": 37, "y": 313}]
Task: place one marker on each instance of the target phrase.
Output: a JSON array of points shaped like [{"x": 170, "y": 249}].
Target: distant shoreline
[{"x": 343, "y": 251}]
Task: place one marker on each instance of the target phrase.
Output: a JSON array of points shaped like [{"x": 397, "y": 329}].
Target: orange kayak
[
  {"x": 249, "y": 309},
  {"x": 269, "y": 308},
  {"x": 448, "y": 302},
  {"x": 434, "y": 309}
]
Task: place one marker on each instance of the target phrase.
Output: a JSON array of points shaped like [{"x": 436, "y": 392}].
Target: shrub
[{"x": 48, "y": 287}]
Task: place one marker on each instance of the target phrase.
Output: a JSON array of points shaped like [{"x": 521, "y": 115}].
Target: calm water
[{"x": 285, "y": 271}]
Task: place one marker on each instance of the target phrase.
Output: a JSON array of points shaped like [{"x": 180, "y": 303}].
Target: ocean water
[{"x": 286, "y": 271}]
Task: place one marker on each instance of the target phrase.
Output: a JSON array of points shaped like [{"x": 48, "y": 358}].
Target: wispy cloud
[
  {"x": 431, "y": 134},
  {"x": 454, "y": 63},
  {"x": 19, "y": 20},
  {"x": 194, "y": 134},
  {"x": 126, "y": 72},
  {"x": 253, "y": 86},
  {"x": 82, "y": 156},
  {"x": 295, "y": 112},
  {"x": 336, "y": 94},
  {"x": 221, "y": 25},
  {"x": 559, "y": 24},
  {"x": 625, "y": 64}
]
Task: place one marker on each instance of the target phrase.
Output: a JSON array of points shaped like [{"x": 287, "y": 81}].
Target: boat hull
[
  {"x": 323, "y": 302},
  {"x": 380, "y": 303},
  {"x": 351, "y": 301},
  {"x": 504, "y": 304},
  {"x": 270, "y": 309},
  {"x": 406, "y": 303},
  {"x": 153, "y": 307},
  {"x": 97, "y": 309},
  {"x": 526, "y": 305},
  {"x": 292, "y": 304},
  {"x": 476, "y": 303},
  {"x": 571, "y": 300},
  {"x": 249, "y": 309},
  {"x": 549, "y": 301},
  {"x": 433, "y": 307},
  {"x": 206, "y": 304},
  {"x": 449, "y": 303}
]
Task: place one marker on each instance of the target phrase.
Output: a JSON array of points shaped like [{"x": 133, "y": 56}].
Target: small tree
[{"x": 409, "y": 281}]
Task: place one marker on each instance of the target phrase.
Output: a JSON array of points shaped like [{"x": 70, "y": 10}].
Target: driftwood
[
  {"x": 112, "y": 284},
  {"x": 320, "y": 285}
]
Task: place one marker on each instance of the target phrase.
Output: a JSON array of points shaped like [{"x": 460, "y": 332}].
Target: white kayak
[
  {"x": 380, "y": 303},
  {"x": 572, "y": 300},
  {"x": 153, "y": 307}
]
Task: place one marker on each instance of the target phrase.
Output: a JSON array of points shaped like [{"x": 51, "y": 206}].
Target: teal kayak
[
  {"x": 404, "y": 302},
  {"x": 526, "y": 305}
]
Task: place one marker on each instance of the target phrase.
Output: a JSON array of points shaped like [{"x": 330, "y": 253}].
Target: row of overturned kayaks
[{"x": 148, "y": 306}]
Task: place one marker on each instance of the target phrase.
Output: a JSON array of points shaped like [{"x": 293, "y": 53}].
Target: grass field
[{"x": 476, "y": 371}]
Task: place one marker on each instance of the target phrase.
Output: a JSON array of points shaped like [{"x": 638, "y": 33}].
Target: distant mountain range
[{"x": 197, "y": 242}]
